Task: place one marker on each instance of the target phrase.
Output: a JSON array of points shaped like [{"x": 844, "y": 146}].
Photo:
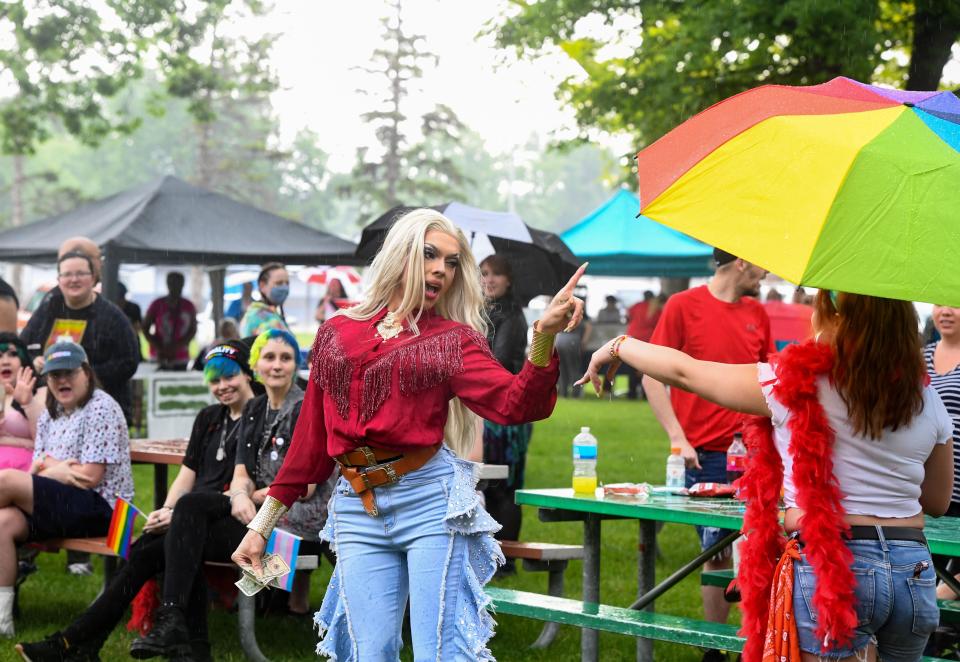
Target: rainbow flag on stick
[
  {"x": 120, "y": 534},
  {"x": 287, "y": 546}
]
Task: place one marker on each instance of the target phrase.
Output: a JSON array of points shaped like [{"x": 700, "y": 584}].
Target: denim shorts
[
  {"x": 713, "y": 469},
  {"x": 896, "y": 600}
]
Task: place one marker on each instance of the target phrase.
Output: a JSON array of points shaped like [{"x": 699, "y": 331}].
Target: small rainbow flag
[
  {"x": 120, "y": 534},
  {"x": 287, "y": 546}
]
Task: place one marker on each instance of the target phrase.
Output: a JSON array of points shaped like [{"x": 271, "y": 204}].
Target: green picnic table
[{"x": 556, "y": 505}]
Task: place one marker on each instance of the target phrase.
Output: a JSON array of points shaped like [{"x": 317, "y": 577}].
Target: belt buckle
[
  {"x": 392, "y": 476},
  {"x": 368, "y": 453}
]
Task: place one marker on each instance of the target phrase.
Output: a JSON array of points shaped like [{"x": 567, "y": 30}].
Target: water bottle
[
  {"x": 676, "y": 469},
  {"x": 736, "y": 458},
  {"x": 585, "y": 463}
]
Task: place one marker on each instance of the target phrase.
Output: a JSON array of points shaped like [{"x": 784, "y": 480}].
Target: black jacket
[
  {"x": 111, "y": 346},
  {"x": 508, "y": 335},
  {"x": 252, "y": 441}
]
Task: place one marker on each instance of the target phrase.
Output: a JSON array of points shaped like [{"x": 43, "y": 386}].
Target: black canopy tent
[{"x": 169, "y": 221}]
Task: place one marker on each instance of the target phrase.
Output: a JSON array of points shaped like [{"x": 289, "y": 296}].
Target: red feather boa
[{"x": 818, "y": 495}]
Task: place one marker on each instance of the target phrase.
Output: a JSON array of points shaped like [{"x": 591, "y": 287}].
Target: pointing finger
[{"x": 575, "y": 278}]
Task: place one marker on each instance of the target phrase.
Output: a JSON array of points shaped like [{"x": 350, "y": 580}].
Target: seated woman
[
  {"x": 208, "y": 526},
  {"x": 19, "y": 409},
  {"x": 81, "y": 464},
  {"x": 207, "y": 468}
]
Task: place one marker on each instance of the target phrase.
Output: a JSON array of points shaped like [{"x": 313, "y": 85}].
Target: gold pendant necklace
[{"x": 389, "y": 327}]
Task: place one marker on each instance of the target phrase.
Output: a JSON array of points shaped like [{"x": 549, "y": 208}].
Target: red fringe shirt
[{"x": 394, "y": 394}]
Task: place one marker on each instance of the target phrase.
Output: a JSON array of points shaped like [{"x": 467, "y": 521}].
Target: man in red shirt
[
  {"x": 641, "y": 321},
  {"x": 719, "y": 321}
]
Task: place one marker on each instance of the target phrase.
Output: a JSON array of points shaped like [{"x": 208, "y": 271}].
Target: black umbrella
[{"x": 541, "y": 264}]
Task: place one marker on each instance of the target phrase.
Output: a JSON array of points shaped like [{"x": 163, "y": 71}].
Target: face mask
[{"x": 279, "y": 294}]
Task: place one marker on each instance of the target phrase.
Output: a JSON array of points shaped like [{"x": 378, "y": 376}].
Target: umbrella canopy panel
[
  {"x": 169, "y": 221},
  {"x": 842, "y": 185},
  {"x": 541, "y": 265},
  {"x": 617, "y": 243}
]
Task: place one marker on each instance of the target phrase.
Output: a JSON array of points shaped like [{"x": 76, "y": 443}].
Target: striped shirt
[{"x": 948, "y": 386}]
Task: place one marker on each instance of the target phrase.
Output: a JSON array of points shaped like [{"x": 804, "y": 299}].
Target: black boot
[
  {"x": 168, "y": 637},
  {"x": 55, "y": 649}
]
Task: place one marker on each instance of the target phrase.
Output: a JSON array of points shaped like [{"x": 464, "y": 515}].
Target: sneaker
[
  {"x": 169, "y": 636},
  {"x": 54, "y": 649},
  {"x": 80, "y": 569}
]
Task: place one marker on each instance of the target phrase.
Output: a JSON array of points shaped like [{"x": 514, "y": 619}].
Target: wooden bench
[
  {"x": 246, "y": 605},
  {"x": 544, "y": 557},
  {"x": 620, "y": 620}
]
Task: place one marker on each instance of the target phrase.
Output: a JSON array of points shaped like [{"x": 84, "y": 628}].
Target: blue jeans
[
  {"x": 713, "y": 469},
  {"x": 896, "y": 600},
  {"x": 433, "y": 543}
]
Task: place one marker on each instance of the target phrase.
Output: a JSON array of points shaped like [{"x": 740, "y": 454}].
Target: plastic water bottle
[
  {"x": 585, "y": 462},
  {"x": 736, "y": 458},
  {"x": 676, "y": 469}
]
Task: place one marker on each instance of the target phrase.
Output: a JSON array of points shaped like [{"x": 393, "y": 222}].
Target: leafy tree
[
  {"x": 404, "y": 172},
  {"x": 61, "y": 61},
  {"x": 661, "y": 61}
]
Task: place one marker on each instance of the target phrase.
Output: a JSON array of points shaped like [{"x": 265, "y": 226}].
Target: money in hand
[
  {"x": 272, "y": 568},
  {"x": 249, "y": 585}
]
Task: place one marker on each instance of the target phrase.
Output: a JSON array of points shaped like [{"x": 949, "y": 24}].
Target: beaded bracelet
[{"x": 615, "y": 347}]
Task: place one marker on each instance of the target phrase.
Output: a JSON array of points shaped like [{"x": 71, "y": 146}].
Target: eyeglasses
[{"x": 74, "y": 275}]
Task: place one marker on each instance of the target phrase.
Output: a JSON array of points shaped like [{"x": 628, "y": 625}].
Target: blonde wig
[{"x": 400, "y": 265}]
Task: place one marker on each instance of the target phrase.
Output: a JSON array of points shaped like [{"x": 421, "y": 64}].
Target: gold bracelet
[
  {"x": 267, "y": 517},
  {"x": 541, "y": 349},
  {"x": 615, "y": 347}
]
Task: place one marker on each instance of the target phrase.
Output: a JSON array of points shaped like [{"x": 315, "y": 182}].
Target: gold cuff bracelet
[
  {"x": 267, "y": 517},
  {"x": 541, "y": 349}
]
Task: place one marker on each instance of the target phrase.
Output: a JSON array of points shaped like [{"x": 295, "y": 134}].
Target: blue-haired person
[
  {"x": 207, "y": 469},
  {"x": 210, "y": 526}
]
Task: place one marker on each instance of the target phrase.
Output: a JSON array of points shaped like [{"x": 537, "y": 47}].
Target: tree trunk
[
  {"x": 16, "y": 218},
  {"x": 936, "y": 27}
]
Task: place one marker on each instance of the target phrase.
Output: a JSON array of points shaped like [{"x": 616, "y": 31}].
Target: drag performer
[{"x": 390, "y": 396}]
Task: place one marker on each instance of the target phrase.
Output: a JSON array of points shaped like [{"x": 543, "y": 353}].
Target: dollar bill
[
  {"x": 273, "y": 566},
  {"x": 249, "y": 585}
]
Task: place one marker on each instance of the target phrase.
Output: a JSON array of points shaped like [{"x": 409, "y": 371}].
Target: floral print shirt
[{"x": 95, "y": 433}]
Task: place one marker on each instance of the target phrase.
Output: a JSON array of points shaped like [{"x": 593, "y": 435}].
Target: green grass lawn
[{"x": 632, "y": 448}]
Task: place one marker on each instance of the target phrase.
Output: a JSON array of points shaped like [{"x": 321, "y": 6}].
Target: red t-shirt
[
  {"x": 699, "y": 324},
  {"x": 640, "y": 323}
]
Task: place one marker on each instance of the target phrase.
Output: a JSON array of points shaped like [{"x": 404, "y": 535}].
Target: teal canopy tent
[{"x": 617, "y": 243}]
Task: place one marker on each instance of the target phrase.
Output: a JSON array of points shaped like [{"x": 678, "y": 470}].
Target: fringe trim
[
  {"x": 424, "y": 363},
  {"x": 332, "y": 369}
]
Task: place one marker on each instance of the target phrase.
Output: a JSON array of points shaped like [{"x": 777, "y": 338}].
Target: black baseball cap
[{"x": 722, "y": 257}]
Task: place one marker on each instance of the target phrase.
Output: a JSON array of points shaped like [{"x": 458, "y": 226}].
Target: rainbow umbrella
[{"x": 842, "y": 185}]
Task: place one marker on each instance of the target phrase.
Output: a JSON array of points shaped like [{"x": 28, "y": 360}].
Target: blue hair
[
  {"x": 219, "y": 367},
  {"x": 273, "y": 334}
]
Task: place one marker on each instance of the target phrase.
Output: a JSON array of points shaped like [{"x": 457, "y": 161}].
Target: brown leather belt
[{"x": 366, "y": 468}]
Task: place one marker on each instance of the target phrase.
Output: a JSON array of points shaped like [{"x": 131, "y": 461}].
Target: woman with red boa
[{"x": 860, "y": 446}]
